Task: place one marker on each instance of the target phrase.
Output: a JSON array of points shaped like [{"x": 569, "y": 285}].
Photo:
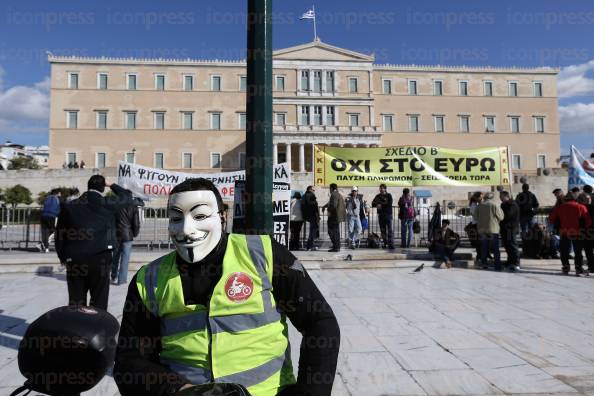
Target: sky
[{"x": 557, "y": 33}]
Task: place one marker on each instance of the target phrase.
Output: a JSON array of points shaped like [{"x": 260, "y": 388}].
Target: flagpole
[{"x": 313, "y": 7}]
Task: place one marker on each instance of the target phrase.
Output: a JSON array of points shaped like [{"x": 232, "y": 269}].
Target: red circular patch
[{"x": 239, "y": 287}]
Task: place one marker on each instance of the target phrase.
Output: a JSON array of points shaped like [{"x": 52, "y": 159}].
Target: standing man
[
  {"x": 127, "y": 227},
  {"x": 311, "y": 215},
  {"x": 406, "y": 214},
  {"x": 528, "y": 204},
  {"x": 353, "y": 212},
  {"x": 216, "y": 308},
  {"x": 510, "y": 227},
  {"x": 86, "y": 238},
  {"x": 383, "y": 203},
  {"x": 336, "y": 215},
  {"x": 487, "y": 216},
  {"x": 49, "y": 214},
  {"x": 571, "y": 219}
]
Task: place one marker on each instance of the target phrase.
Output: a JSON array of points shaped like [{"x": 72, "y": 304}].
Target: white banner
[
  {"x": 151, "y": 183},
  {"x": 581, "y": 171}
]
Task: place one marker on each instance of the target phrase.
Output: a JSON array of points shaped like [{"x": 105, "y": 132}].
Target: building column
[
  {"x": 274, "y": 154},
  {"x": 311, "y": 114},
  {"x": 323, "y": 81},
  {"x": 302, "y": 157},
  {"x": 311, "y": 81},
  {"x": 324, "y": 112},
  {"x": 288, "y": 156}
]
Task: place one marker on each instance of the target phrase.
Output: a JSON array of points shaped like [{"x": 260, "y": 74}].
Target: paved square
[{"x": 437, "y": 332}]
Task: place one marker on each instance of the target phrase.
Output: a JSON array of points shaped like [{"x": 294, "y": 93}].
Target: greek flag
[
  {"x": 581, "y": 170},
  {"x": 311, "y": 14}
]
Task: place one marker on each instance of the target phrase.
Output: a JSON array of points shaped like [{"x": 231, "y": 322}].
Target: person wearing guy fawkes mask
[{"x": 215, "y": 309}]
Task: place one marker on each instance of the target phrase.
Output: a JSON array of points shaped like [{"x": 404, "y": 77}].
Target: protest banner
[
  {"x": 581, "y": 170},
  {"x": 151, "y": 183},
  {"x": 410, "y": 166}
]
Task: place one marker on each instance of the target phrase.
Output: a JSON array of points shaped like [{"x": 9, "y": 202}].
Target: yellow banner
[{"x": 409, "y": 166}]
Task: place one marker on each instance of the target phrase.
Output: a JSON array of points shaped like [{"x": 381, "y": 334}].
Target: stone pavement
[{"x": 436, "y": 332}]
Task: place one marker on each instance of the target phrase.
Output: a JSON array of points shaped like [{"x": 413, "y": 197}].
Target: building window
[
  {"x": 242, "y": 83},
  {"x": 70, "y": 158},
  {"x": 102, "y": 81},
  {"x": 353, "y": 85},
  {"x": 516, "y": 161},
  {"x": 159, "y": 161},
  {"x": 102, "y": 120},
  {"x": 73, "y": 80},
  {"x": 387, "y": 87},
  {"x": 317, "y": 118},
  {"x": 489, "y": 124},
  {"x": 215, "y": 121},
  {"x": 215, "y": 160},
  {"x": 513, "y": 88},
  {"x": 304, "y": 115},
  {"x": 130, "y": 120},
  {"x": 280, "y": 119},
  {"x": 317, "y": 75},
  {"x": 515, "y": 124},
  {"x": 188, "y": 120},
  {"x": 242, "y": 121},
  {"x": 242, "y": 160},
  {"x": 159, "y": 120},
  {"x": 439, "y": 123},
  {"x": 438, "y": 88},
  {"x": 353, "y": 120},
  {"x": 305, "y": 80},
  {"x": 463, "y": 88},
  {"x": 131, "y": 81},
  {"x": 130, "y": 157},
  {"x": 412, "y": 87},
  {"x": 488, "y": 88},
  {"x": 541, "y": 161},
  {"x": 280, "y": 83},
  {"x": 464, "y": 123},
  {"x": 187, "y": 160},
  {"x": 539, "y": 124},
  {"x": 329, "y": 81},
  {"x": 72, "y": 119},
  {"x": 388, "y": 123},
  {"x": 188, "y": 83},
  {"x": 215, "y": 83},
  {"x": 330, "y": 115},
  {"x": 538, "y": 89},
  {"x": 413, "y": 123},
  {"x": 160, "y": 82},
  {"x": 100, "y": 160}
]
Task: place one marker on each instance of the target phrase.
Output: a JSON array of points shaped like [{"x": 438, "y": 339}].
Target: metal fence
[{"x": 21, "y": 226}]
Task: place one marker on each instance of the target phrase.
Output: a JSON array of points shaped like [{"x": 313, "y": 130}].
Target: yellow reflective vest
[{"x": 240, "y": 337}]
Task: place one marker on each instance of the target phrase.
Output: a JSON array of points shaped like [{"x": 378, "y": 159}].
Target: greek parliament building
[{"x": 185, "y": 114}]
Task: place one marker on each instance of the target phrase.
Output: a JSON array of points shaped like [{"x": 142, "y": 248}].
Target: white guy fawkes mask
[{"x": 194, "y": 223}]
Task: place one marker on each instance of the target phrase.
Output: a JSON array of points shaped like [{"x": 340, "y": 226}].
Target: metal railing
[{"x": 21, "y": 226}]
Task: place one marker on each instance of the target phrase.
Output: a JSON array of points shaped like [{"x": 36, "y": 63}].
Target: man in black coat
[
  {"x": 128, "y": 227},
  {"x": 85, "y": 239},
  {"x": 510, "y": 227},
  {"x": 527, "y": 203},
  {"x": 311, "y": 214}
]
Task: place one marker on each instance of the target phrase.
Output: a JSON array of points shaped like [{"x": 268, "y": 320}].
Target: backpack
[{"x": 373, "y": 241}]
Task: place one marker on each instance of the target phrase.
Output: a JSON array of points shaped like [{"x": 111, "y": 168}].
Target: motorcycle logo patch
[{"x": 239, "y": 287}]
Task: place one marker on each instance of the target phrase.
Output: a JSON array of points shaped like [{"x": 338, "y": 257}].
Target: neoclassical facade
[{"x": 184, "y": 114}]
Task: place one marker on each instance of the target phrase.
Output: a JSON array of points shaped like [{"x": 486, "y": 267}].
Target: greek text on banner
[{"x": 409, "y": 166}]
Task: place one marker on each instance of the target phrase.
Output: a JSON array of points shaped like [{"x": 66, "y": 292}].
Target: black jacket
[
  {"x": 309, "y": 207},
  {"x": 511, "y": 217},
  {"x": 296, "y": 296},
  {"x": 385, "y": 200},
  {"x": 128, "y": 224},
  {"x": 86, "y": 226},
  {"x": 528, "y": 203}
]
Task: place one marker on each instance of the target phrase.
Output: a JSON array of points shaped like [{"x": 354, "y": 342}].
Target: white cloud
[
  {"x": 573, "y": 81},
  {"x": 24, "y": 104},
  {"x": 577, "y": 118}
]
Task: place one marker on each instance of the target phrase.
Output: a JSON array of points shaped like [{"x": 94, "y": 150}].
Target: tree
[
  {"x": 17, "y": 194},
  {"x": 23, "y": 163}
]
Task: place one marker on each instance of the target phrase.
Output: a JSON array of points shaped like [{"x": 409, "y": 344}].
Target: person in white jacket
[{"x": 296, "y": 221}]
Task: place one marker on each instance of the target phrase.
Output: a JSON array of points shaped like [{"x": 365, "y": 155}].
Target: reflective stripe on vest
[{"x": 185, "y": 328}]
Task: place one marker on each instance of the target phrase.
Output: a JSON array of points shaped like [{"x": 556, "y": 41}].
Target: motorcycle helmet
[{"x": 67, "y": 350}]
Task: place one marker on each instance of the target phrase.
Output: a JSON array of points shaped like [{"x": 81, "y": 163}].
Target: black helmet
[{"x": 67, "y": 350}]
